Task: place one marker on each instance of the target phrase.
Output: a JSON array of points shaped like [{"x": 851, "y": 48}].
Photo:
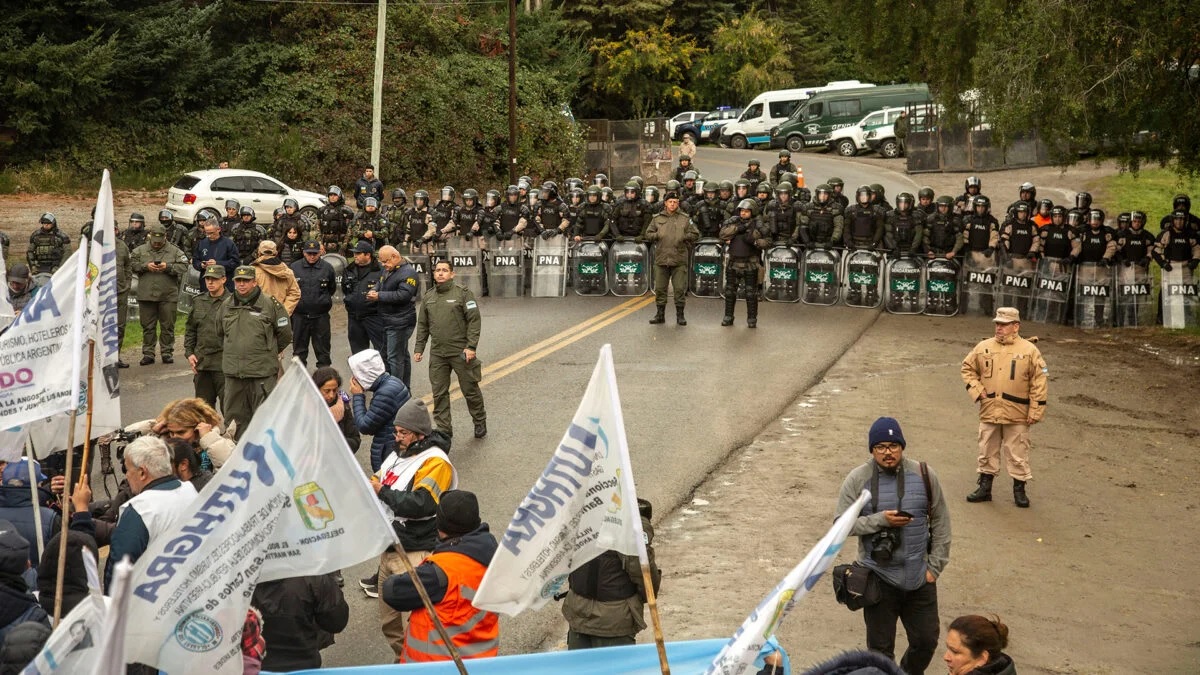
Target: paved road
[{"x": 691, "y": 395}]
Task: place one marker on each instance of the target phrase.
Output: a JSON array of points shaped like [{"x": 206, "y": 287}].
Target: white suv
[
  {"x": 207, "y": 190},
  {"x": 684, "y": 117},
  {"x": 849, "y": 141}
]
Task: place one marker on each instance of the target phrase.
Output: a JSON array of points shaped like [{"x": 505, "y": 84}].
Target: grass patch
[
  {"x": 63, "y": 179},
  {"x": 1151, "y": 191},
  {"x": 133, "y": 334}
]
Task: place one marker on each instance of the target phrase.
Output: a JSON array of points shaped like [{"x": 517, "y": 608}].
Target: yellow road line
[{"x": 515, "y": 362}]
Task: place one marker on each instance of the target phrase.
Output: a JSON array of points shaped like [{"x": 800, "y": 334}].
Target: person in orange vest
[{"x": 451, "y": 576}]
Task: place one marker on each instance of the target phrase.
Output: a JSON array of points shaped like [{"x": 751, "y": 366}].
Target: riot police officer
[
  {"x": 1027, "y": 195},
  {"x": 1183, "y": 203},
  {"x": 1017, "y": 236},
  {"x": 594, "y": 218},
  {"x": 394, "y": 211},
  {"x": 575, "y": 197},
  {"x": 1057, "y": 240},
  {"x": 864, "y": 221},
  {"x": 550, "y": 214},
  {"x": 965, "y": 204},
  {"x": 443, "y": 211},
  {"x": 650, "y": 196},
  {"x": 754, "y": 172},
  {"x": 419, "y": 219},
  {"x": 489, "y": 215},
  {"x": 1042, "y": 217},
  {"x": 335, "y": 219},
  {"x": 685, "y": 165},
  {"x": 710, "y": 212},
  {"x": 904, "y": 228},
  {"x": 1136, "y": 244},
  {"x": 513, "y": 216},
  {"x": 466, "y": 219},
  {"x": 782, "y": 215},
  {"x": 925, "y": 201},
  {"x": 1178, "y": 244},
  {"x": 177, "y": 235},
  {"x": 742, "y": 189},
  {"x": 1097, "y": 242},
  {"x": 981, "y": 232},
  {"x": 744, "y": 237},
  {"x": 821, "y": 221},
  {"x": 600, "y": 180},
  {"x": 879, "y": 197},
  {"x": 784, "y": 165},
  {"x": 943, "y": 230},
  {"x": 1082, "y": 210},
  {"x": 247, "y": 234},
  {"x": 630, "y": 216},
  {"x": 689, "y": 196},
  {"x": 47, "y": 246},
  {"x": 839, "y": 188},
  {"x": 135, "y": 234},
  {"x": 233, "y": 216},
  {"x": 369, "y": 225},
  {"x": 762, "y": 195}
]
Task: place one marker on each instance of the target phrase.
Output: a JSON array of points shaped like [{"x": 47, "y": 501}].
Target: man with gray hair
[{"x": 160, "y": 501}]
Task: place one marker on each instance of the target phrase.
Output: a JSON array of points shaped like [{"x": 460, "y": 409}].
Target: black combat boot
[
  {"x": 730, "y": 301},
  {"x": 1019, "y": 496},
  {"x": 660, "y": 315},
  {"x": 679, "y": 320},
  {"x": 983, "y": 493},
  {"x": 752, "y": 310}
]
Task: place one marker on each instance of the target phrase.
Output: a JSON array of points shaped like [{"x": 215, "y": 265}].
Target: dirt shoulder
[{"x": 1091, "y": 579}]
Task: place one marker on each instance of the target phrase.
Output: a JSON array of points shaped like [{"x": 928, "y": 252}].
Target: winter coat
[
  {"x": 300, "y": 615},
  {"x": 398, "y": 296},
  {"x": 673, "y": 235},
  {"x": 318, "y": 283},
  {"x": 1007, "y": 380},
  {"x": 278, "y": 281},
  {"x": 388, "y": 394},
  {"x": 158, "y": 286},
  {"x": 605, "y": 596}
]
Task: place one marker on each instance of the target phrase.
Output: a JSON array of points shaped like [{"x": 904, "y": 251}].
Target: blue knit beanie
[{"x": 885, "y": 429}]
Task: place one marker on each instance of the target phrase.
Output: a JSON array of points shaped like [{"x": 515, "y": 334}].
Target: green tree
[
  {"x": 646, "y": 68},
  {"x": 748, "y": 56}
]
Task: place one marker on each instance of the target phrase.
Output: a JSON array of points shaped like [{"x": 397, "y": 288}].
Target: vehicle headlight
[{"x": 775, "y": 131}]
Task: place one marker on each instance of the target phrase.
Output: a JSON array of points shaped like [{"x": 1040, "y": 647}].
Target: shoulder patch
[
  {"x": 281, "y": 321},
  {"x": 471, "y": 304}
]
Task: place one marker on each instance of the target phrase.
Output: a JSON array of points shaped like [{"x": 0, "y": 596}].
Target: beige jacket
[
  {"x": 1008, "y": 381},
  {"x": 278, "y": 281}
]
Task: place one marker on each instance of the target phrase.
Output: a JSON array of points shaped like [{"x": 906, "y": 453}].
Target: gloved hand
[
  {"x": 1166, "y": 267},
  {"x": 549, "y": 234},
  {"x": 1072, "y": 260},
  {"x": 639, "y": 240},
  {"x": 1194, "y": 264},
  {"x": 989, "y": 251},
  {"x": 620, "y": 238},
  {"x": 1106, "y": 262}
]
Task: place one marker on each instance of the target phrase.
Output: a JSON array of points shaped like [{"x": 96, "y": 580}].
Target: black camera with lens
[{"x": 884, "y": 545}]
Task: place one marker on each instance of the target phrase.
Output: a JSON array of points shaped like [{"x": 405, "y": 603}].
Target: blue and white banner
[
  {"x": 582, "y": 505},
  {"x": 100, "y": 317},
  {"x": 74, "y": 645},
  {"x": 742, "y": 650},
  {"x": 289, "y": 502}
]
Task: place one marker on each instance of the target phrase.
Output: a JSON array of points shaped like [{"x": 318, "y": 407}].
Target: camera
[{"x": 884, "y": 545}]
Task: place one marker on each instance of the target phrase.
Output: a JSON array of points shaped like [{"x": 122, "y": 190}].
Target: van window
[
  {"x": 782, "y": 108},
  {"x": 753, "y": 112},
  {"x": 814, "y": 110},
  {"x": 845, "y": 108}
]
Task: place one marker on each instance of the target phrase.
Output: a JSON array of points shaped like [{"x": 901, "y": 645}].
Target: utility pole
[
  {"x": 377, "y": 103},
  {"x": 512, "y": 92}
]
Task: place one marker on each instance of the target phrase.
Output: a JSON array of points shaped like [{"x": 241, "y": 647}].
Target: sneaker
[{"x": 370, "y": 585}]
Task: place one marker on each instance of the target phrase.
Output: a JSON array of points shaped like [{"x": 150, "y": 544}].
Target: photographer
[{"x": 904, "y": 540}]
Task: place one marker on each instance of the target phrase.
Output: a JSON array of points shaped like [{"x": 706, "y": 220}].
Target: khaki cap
[{"x": 1007, "y": 315}]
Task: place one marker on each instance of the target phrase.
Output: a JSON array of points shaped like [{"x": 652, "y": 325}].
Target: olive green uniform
[
  {"x": 158, "y": 295},
  {"x": 673, "y": 234},
  {"x": 253, "y": 330},
  {"x": 202, "y": 338},
  {"x": 124, "y": 281},
  {"x": 450, "y": 316}
]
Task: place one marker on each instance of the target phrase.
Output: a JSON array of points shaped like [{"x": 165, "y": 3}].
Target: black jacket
[
  {"x": 317, "y": 283},
  {"x": 300, "y": 616},
  {"x": 356, "y": 281},
  {"x": 400, "y": 593},
  {"x": 19, "y": 606},
  {"x": 398, "y": 296},
  {"x": 414, "y": 535}
]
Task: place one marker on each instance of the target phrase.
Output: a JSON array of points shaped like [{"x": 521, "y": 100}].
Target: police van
[
  {"x": 810, "y": 124},
  {"x": 770, "y": 109}
]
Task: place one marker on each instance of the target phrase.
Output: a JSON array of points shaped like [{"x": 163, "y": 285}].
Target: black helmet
[
  {"x": 1021, "y": 207},
  {"x": 229, "y": 204},
  {"x": 1179, "y": 215},
  {"x": 1083, "y": 201},
  {"x": 1096, "y": 214},
  {"x": 836, "y": 183},
  {"x": 278, "y": 213},
  {"x": 573, "y": 183},
  {"x": 606, "y": 193},
  {"x": 1058, "y": 211},
  {"x": 246, "y": 211},
  {"x": 753, "y": 162},
  {"x": 789, "y": 177},
  {"x": 945, "y": 200},
  {"x": 764, "y": 188},
  {"x": 165, "y": 216},
  {"x": 904, "y": 199},
  {"x": 49, "y": 219},
  {"x": 1181, "y": 202},
  {"x": 492, "y": 199},
  {"x": 292, "y": 203},
  {"x": 593, "y": 191},
  {"x": 973, "y": 181},
  {"x": 422, "y": 196},
  {"x": 447, "y": 193},
  {"x": 877, "y": 190},
  {"x": 746, "y": 205},
  {"x": 862, "y": 190},
  {"x": 576, "y": 195},
  {"x": 399, "y": 196},
  {"x": 1073, "y": 218},
  {"x": 470, "y": 194},
  {"x": 726, "y": 185},
  {"x": 823, "y": 190},
  {"x": 982, "y": 201},
  {"x": 601, "y": 180},
  {"x": 1045, "y": 204},
  {"x": 651, "y": 193},
  {"x": 925, "y": 193},
  {"x": 512, "y": 191},
  {"x": 370, "y": 203},
  {"x": 804, "y": 195},
  {"x": 549, "y": 191},
  {"x": 137, "y": 218},
  {"x": 1137, "y": 217},
  {"x": 785, "y": 153},
  {"x": 1124, "y": 218},
  {"x": 334, "y": 190},
  {"x": 526, "y": 180}
]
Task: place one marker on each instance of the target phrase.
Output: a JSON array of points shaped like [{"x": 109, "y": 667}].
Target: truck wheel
[
  {"x": 308, "y": 216},
  {"x": 738, "y": 142},
  {"x": 890, "y": 148},
  {"x": 846, "y": 148},
  {"x": 795, "y": 143}
]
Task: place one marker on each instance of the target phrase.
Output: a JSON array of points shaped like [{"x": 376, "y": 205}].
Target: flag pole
[
  {"x": 87, "y": 436},
  {"x": 437, "y": 622},
  {"x": 652, "y": 601},
  {"x": 33, "y": 489},
  {"x": 66, "y": 520}
]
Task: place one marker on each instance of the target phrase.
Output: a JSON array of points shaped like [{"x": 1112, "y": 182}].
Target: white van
[
  {"x": 769, "y": 109},
  {"x": 766, "y": 111}
]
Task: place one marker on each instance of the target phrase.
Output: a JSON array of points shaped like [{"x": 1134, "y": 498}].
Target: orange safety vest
[{"x": 475, "y": 632}]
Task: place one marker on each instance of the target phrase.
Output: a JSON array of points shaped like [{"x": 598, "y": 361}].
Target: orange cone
[{"x": 799, "y": 177}]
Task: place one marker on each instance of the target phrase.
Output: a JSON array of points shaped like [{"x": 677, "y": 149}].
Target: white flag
[
  {"x": 34, "y": 379},
  {"x": 111, "y": 658},
  {"x": 7, "y": 313},
  {"x": 740, "y": 652},
  {"x": 74, "y": 645},
  {"x": 100, "y": 316},
  {"x": 289, "y": 502},
  {"x": 582, "y": 505}
]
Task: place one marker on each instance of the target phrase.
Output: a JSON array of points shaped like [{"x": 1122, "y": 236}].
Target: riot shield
[
  {"x": 862, "y": 271},
  {"x": 782, "y": 282},
  {"x": 338, "y": 263},
  {"x": 506, "y": 269},
  {"x": 1180, "y": 297},
  {"x": 707, "y": 269},
  {"x": 905, "y": 284},
  {"x": 1014, "y": 284},
  {"x": 549, "y": 268},
  {"x": 978, "y": 283},
  {"x": 941, "y": 287},
  {"x": 190, "y": 286},
  {"x": 1093, "y": 295},
  {"x": 1051, "y": 291},
  {"x": 628, "y": 269},
  {"x": 1137, "y": 297},
  {"x": 821, "y": 277},
  {"x": 134, "y": 312},
  {"x": 591, "y": 277},
  {"x": 467, "y": 259},
  {"x": 423, "y": 264}
]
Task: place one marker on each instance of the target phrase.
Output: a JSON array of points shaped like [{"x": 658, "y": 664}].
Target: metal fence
[
  {"x": 625, "y": 148},
  {"x": 935, "y": 144}
]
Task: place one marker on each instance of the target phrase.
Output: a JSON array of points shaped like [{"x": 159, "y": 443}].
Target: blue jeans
[{"x": 399, "y": 363}]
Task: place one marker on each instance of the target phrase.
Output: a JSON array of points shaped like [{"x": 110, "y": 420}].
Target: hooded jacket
[
  {"x": 388, "y": 394},
  {"x": 400, "y": 593},
  {"x": 278, "y": 281}
]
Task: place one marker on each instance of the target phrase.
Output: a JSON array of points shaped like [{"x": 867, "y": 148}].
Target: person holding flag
[{"x": 451, "y": 576}]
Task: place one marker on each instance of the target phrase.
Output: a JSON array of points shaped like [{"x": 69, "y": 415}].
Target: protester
[
  {"x": 186, "y": 462},
  {"x": 21, "y": 645},
  {"x": 300, "y": 616},
  {"x": 75, "y": 579},
  {"x": 195, "y": 421},
  {"x": 449, "y": 316},
  {"x": 17, "y": 602},
  {"x": 17, "y": 506},
  {"x": 274, "y": 277},
  {"x": 254, "y": 646},
  {"x": 904, "y": 539},
  {"x": 410, "y": 484},
  {"x": 329, "y": 383},
  {"x": 451, "y": 576},
  {"x": 974, "y": 646},
  {"x": 160, "y": 501},
  {"x": 605, "y": 596},
  {"x": 255, "y": 329},
  {"x": 388, "y": 393},
  {"x": 852, "y": 663}
]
